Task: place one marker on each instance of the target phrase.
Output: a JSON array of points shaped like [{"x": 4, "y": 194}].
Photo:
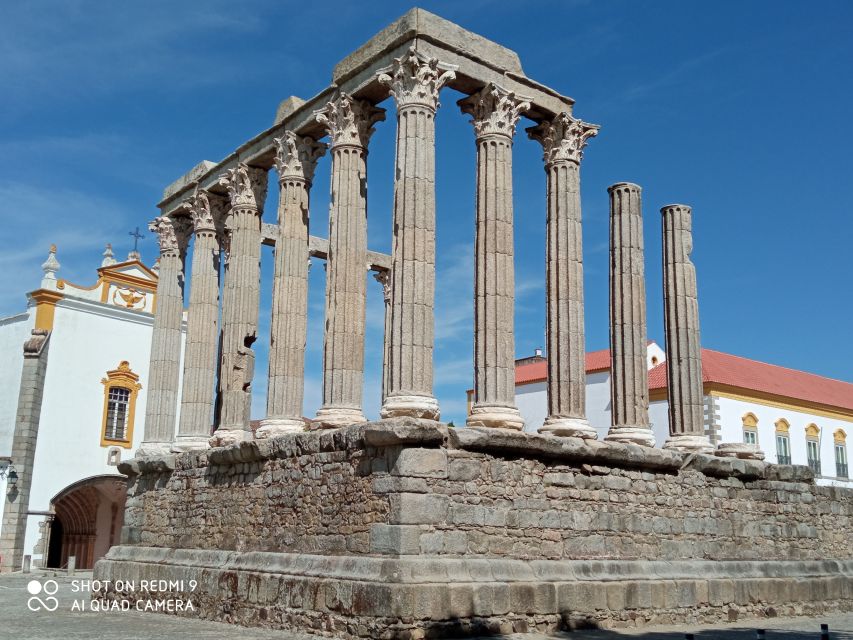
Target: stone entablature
[{"x": 520, "y": 530}]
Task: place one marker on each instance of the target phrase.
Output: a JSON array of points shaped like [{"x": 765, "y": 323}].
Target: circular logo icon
[{"x": 50, "y": 587}]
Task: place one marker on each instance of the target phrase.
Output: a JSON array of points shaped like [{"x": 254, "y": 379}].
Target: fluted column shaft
[
  {"x": 349, "y": 123},
  {"x": 164, "y": 368},
  {"x": 295, "y": 161},
  {"x": 415, "y": 82},
  {"x": 200, "y": 352},
  {"x": 629, "y": 380},
  {"x": 563, "y": 140},
  {"x": 681, "y": 322},
  {"x": 496, "y": 112},
  {"x": 240, "y": 300}
]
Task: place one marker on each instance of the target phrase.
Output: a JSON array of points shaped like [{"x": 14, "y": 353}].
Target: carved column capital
[
  {"x": 296, "y": 156},
  {"x": 171, "y": 233},
  {"x": 384, "y": 278},
  {"x": 207, "y": 211},
  {"x": 349, "y": 121},
  {"x": 415, "y": 79},
  {"x": 563, "y": 138},
  {"x": 247, "y": 186},
  {"x": 495, "y": 110}
]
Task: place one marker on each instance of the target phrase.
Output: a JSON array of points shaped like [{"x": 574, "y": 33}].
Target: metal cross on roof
[{"x": 136, "y": 238}]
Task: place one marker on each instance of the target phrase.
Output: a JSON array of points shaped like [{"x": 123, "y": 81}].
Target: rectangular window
[
  {"x": 117, "y": 403},
  {"x": 814, "y": 456},
  {"x": 783, "y": 449},
  {"x": 750, "y": 437},
  {"x": 841, "y": 460}
]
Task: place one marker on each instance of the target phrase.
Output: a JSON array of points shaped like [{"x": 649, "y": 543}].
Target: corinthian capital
[
  {"x": 563, "y": 138},
  {"x": 206, "y": 211},
  {"x": 167, "y": 231},
  {"x": 496, "y": 110},
  {"x": 415, "y": 79},
  {"x": 296, "y": 156},
  {"x": 247, "y": 186},
  {"x": 348, "y": 120}
]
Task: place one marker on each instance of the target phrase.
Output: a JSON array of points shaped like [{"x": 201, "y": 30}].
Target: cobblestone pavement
[{"x": 19, "y": 622}]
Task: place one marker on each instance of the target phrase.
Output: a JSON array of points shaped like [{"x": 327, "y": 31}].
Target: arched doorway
[{"x": 87, "y": 522}]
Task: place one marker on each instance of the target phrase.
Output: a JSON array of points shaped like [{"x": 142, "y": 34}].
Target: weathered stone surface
[
  {"x": 629, "y": 381},
  {"x": 681, "y": 323},
  {"x": 563, "y": 140}
]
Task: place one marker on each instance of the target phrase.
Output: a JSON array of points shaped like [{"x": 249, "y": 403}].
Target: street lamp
[{"x": 13, "y": 477}]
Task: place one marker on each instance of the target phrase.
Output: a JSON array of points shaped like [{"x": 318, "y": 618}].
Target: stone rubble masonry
[
  {"x": 495, "y": 112},
  {"x": 17, "y": 499},
  {"x": 207, "y": 212},
  {"x": 247, "y": 190},
  {"x": 404, "y": 528},
  {"x": 563, "y": 140},
  {"x": 681, "y": 324},
  {"x": 629, "y": 382},
  {"x": 295, "y": 161},
  {"x": 164, "y": 369},
  {"x": 415, "y": 83},
  {"x": 349, "y": 123}
]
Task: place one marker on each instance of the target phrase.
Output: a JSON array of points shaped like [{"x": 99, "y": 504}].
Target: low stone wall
[{"x": 404, "y": 529}]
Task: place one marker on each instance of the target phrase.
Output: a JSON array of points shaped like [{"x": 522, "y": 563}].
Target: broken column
[
  {"x": 563, "y": 140},
  {"x": 629, "y": 374},
  {"x": 164, "y": 369},
  {"x": 247, "y": 190},
  {"x": 681, "y": 321},
  {"x": 495, "y": 112},
  {"x": 196, "y": 419},
  {"x": 349, "y": 123},
  {"x": 415, "y": 82},
  {"x": 296, "y": 158}
]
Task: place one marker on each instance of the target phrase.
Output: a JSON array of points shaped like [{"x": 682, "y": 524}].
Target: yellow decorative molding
[
  {"x": 124, "y": 378},
  {"x": 45, "y": 307},
  {"x": 750, "y": 420},
  {"x": 812, "y": 431},
  {"x": 767, "y": 400},
  {"x": 840, "y": 436},
  {"x": 783, "y": 426}
]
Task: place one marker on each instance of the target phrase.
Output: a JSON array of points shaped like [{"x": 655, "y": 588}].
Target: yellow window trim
[
  {"x": 783, "y": 426},
  {"x": 125, "y": 378},
  {"x": 840, "y": 436},
  {"x": 812, "y": 431},
  {"x": 750, "y": 421}
]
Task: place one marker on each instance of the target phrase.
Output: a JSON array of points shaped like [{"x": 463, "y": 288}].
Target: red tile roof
[
  {"x": 752, "y": 375},
  {"x": 530, "y": 372}
]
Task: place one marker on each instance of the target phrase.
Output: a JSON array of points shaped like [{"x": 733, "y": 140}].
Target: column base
[
  {"x": 495, "y": 417},
  {"x": 226, "y": 437},
  {"x": 334, "y": 417},
  {"x": 689, "y": 444},
  {"x": 739, "y": 450},
  {"x": 190, "y": 443},
  {"x": 424, "y": 407},
  {"x": 155, "y": 449},
  {"x": 272, "y": 427},
  {"x": 568, "y": 428},
  {"x": 642, "y": 436}
]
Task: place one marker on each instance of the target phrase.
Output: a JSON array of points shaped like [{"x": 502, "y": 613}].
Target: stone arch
[{"x": 90, "y": 513}]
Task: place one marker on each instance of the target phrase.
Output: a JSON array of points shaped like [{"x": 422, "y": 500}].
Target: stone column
[
  {"x": 384, "y": 278},
  {"x": 349, "y": 123},
  {"x": 629, "y": 371},
  {"x": 200, "y": 353},
  {"x": 495, "y": 113},
  {"x": 563, "y": 140},
  {"x": 415, "y": 82},
  {"x": 296, "y": 158},
  {"x": 17, "y": 500},
  {"x": 681, "y": 321},
  {"x": 164, "y": 369},
  {"x": 247, "y": 190}
]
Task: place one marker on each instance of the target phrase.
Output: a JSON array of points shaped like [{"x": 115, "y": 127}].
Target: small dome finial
[
  {"x": 50, "y": 267},
  {"x": 108, "y": 256}
]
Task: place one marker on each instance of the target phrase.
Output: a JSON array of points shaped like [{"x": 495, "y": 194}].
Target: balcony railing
[
  {"x": 814, "y": 465},
  {"x": 841, "y": 469},
  {"x": 784, "y": 459}
]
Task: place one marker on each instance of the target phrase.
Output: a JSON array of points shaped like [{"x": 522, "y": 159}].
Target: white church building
[
  {"x": 795, "y": 417},
  {"x": 84, "y": 349}
]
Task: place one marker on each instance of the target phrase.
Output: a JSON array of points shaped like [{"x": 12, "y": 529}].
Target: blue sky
[{"x": 741, "y": 110}]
